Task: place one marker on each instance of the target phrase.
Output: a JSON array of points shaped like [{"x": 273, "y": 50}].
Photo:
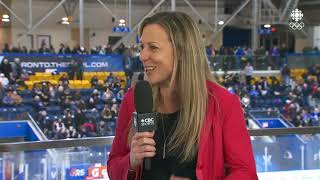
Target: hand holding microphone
[{"x": 143, "y": 144}]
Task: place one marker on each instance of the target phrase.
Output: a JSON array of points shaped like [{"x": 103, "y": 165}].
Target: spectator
[
  {"x": 6, "y": 48},
  {"x": 2, "y": 92},
  {"x": 127, "y": 63},
  {"x": 68, "y": 118},
  {"x": 67, "y": 50},
  {"x": 72, "y": 133},
  {"x": 6, "y": 69},
  {"x": 120, "y": 95},
  {"x": 51, "y": 49},
  {"x": 108, "y": 96},
  {"x": 43, "y": 49},
  {"x": 62, "y": 49},
  {"x": 121, "y": 49},
  {"x": 4, "y": 80},
  {"x": 102, "y": 129},
  {"x": 8, "y": 100},
  {"x": 80, "y": 118},
  {"x": 91, "y": 103},
  {"x": 114, "y": 110},
  {"x": 246, "y": 101},
  {"x": 59, "y": 129},
  {"x": 108, "y": 49},
  {"x": 82, "y": 50},
  {"x": 16, "y": 69},
  {"x": 73, "y": 68},
  {"x": 106, "y": 114},
  {"x": 64, "y": 80},
  {"x": 275, "y": 51},
  {"x": 283, "y": 54},
  {"x": 24, "y": 50},
  {"x": 94, "y": 81},
  {"x": 17, "y": 99},
  {"x": 110, "y": 78},
  {"x": 239, "y": 54},
  {"x": 89, "y": 127},
  {"x": 248, "y": 71},
  {"x": 79, "y": 70},
  {"x": 76, "y": 96},
  {"x": 285, "y": 73}
]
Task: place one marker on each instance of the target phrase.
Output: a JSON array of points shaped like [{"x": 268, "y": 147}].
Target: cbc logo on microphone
[{"x": 147, "y": 121}]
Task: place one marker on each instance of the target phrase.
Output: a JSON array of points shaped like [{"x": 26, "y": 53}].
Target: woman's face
[{"x": 156, "y": 54}]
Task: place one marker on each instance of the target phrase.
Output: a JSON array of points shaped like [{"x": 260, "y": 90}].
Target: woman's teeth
[{"x": 150, "y": 68}]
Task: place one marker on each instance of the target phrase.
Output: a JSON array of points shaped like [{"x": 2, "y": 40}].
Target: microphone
[{"x": 144, "y": 119}]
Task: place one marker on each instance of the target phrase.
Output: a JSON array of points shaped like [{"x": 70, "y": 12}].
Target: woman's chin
[{"x": 152, "y": 81}]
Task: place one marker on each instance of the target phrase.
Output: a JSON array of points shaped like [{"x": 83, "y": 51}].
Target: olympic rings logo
[{"x": 296, "y": 25}]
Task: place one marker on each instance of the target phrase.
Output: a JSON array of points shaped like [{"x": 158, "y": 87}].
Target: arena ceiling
[{"x": 310, "y": 8}]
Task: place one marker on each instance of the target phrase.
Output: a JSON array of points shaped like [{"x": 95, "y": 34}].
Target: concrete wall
[
  {"x": 301, "y": 43},
  {"x": 316, "y": 37}
]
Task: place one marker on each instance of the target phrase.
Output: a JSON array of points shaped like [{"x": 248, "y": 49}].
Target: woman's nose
[{"x": 144, "y": 55}]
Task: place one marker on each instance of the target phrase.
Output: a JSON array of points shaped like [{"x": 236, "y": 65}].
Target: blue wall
[{"x": 17, "y": 129}]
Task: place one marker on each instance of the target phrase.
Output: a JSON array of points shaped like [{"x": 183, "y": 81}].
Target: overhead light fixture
[
  {"x": 267, "y": 25},
  {"x": 5, "y": 20},
  {"x": 221, "y": 22},
  {"x": 122, "y": 21},
  {"x": 65, "y": 22},
  {"x": 65, "y": 19},
  {"x": 5, "y": 16}
]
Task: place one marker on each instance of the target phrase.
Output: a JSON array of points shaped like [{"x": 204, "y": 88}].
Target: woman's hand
[
  {"x": 142, "y": 146},
  {"x": 178, "y": 178}
]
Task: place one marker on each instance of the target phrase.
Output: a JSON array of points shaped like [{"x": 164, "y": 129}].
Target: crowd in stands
[
  {"x": 63, "y": 112},
  {"x": 298, "y": 100},
  {"x": 60, "y": 111},
  {"x": 275, "y": 50},
  {"x": 65, "y": 49},
  {"x": 261, "y": 51}
]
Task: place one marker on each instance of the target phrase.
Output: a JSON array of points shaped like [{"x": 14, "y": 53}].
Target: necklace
[{"x": 164, "y": 138}]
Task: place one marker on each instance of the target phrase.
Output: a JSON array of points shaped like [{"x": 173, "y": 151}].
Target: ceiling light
[
  {"x": 267, "y": 25},
  {"x": 65, "y": 22},
  {"x": 5, "y": 16},
  {"x": 122, "y": 21},
  {"x": 5, "y": 20},
  {"x": 221, "y": 22},
  {"x": 65, "y": 19}
]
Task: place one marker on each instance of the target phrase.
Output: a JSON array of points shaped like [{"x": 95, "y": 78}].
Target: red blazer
[{"x": 224, "y": 152}]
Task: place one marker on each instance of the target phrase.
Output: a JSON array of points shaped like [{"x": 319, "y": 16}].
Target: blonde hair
[{"x": 190, "y": 70}]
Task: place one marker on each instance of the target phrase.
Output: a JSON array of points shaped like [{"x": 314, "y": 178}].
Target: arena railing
[
  {"x": 80, "y": 157},
  {"x": 107, "y": 140}
]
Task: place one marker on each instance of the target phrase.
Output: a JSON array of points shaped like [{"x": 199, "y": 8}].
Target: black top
[{"x": 163, "y": 168}]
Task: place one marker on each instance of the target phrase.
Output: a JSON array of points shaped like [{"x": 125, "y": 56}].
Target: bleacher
[{"x": 74, "y": 84}]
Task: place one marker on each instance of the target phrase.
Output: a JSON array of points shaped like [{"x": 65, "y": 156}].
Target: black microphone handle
[{"x": 147, "y": 163}]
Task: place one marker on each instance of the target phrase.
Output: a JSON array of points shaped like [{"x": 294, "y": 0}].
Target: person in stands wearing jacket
[{"x": 201, "y": 132}]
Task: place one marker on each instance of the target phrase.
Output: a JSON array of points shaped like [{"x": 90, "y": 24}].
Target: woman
[{"x": 201, "y": 130}]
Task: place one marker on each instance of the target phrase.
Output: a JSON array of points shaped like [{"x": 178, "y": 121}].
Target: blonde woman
[{"x": 201, "y": 130}]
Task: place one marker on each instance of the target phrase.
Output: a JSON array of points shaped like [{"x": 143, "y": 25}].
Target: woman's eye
[{"x": 153, "y": 47}]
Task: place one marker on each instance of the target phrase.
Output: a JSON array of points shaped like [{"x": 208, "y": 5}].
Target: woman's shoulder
[
  {"x": 220, "y": 94},
  {"x": 129, "y": 93},
  {"x": 218, "y": 90},
  {"x": 129, "y": 97}
]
